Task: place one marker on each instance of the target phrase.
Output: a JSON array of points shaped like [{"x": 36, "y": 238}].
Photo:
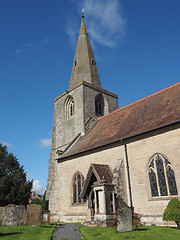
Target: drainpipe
[{"x": 128, "y": 175}]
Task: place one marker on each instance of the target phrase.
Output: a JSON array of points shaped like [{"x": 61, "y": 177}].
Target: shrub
[
  {"x": 36, "y": 201},
  {"x": 115, "y": 221},
  {"x": 136, "y": 220},
  {"x": 172, "y": 211}
]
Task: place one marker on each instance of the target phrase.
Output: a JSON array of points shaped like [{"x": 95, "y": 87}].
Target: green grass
[
  {"x": 144, "y": 233},
  {"x": 43, "y": 232}
]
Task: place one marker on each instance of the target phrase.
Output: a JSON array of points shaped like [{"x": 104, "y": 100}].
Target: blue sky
[{"x": 136, "y": 46}]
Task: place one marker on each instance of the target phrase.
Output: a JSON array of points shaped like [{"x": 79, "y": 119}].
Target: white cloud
[
  {"x": 7, "y": 144},
  {"x": 45, "y": 142},
  {"x": 72, "y": 29},
  {"x": 38, "y": 45},
  {"x": 45, "y": 40},
  {"x": 19, "y": 52},
  {"x": 37, "y": 187},
  {"x": 106, "y": 23},
  {"x": 28, "y": 176}
]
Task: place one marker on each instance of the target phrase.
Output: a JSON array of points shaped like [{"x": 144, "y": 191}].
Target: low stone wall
[
  {"x": 13, "y": 215},
  {"x": 1, "y": 214}
]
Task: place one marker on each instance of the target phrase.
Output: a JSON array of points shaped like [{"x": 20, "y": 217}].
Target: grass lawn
[
  {"x": 26, "y": 232},
  {"x": 144, "y": 233}
]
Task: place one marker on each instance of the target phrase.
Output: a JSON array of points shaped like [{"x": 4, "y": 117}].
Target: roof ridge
[{"x": 165, "y": 89}]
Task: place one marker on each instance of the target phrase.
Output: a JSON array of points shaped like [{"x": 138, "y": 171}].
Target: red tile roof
[
  {"x": 101, "y": 172},
  {"x": 155, "y": 111}
]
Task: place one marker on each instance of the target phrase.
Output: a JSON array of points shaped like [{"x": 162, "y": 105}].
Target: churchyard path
[{"x": 67, "y": 231}]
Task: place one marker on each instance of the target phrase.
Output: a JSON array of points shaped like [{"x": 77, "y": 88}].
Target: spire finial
[{"x": 83, "y": 13}]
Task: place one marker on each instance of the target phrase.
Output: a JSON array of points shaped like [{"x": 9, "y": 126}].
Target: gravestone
[
  {"x": 124, "y": 220},
  {"x": 34, "y": 215}
]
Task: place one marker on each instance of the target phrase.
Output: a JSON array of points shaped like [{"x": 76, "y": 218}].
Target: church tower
[{"x": 76, "y": 109}]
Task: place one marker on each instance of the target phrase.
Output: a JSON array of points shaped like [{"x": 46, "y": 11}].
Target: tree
[
  {"x": 14, "y": 187},
  {"x": 36, "y": 201},
  {"x": 172, "y": 211}
]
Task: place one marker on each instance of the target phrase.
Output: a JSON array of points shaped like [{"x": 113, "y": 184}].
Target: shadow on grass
[
  {"x": 141, "y": 229},
  {"x": 60, "y": 225},
  {"x": 8, "y": 234},
  {"x": 46, "y": 226},
  {"x": 175, "y": 228}
]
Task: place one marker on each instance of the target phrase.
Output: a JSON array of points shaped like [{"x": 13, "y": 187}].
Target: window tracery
[
  {"x": 78, "y": 181},
  {"x": 69, "y": 107},
  {"x": 162, "y": 177}
]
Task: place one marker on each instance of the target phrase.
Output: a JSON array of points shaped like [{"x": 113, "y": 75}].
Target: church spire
[{"x": 84, "y": 65}]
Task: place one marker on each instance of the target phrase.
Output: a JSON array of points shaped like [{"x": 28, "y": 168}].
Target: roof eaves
[{"x": 119, "y": 140}]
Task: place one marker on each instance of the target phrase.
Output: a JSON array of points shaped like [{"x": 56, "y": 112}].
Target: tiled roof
[
  {"x": 155, "y": 111},
  {"x": 101, "y": 172}
]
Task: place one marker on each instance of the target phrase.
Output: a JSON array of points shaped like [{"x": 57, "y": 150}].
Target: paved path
[{"x": 67, "y": 231}]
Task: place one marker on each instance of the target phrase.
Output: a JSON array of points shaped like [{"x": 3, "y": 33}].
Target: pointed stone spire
[{"x": 84, "y": 65}]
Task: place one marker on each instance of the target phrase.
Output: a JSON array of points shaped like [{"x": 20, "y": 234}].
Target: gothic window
[
  {"x": 69, "y": 107},
  {"x": 78, "y": 181},
  {"x": 161, "y": 177},
  {"x": 99, "y": 105}
]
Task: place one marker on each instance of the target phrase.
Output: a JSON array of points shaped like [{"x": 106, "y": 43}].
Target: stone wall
[
  {"x": 1, "y": 215},
  {"x": 139, "y": 154},
  {"x": 65, "y": 130},
  {"x": 13, "y": 215}
]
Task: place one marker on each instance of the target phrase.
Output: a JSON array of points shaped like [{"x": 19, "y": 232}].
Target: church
[{"x": 103, "y": 157}]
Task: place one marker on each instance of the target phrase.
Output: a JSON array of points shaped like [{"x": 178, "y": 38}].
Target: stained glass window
[
  {"x": 162, "y": 177},
  {"x": 153, "y": 182},
  {"x": 171, "y": 181},
  {"x": 78, "y": 181}
]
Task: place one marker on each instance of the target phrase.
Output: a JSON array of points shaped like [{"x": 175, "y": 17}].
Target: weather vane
[{"x": 83, "y": 12}]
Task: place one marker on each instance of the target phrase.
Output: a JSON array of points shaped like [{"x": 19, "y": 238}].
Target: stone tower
[{"x": 76, "y": 109}]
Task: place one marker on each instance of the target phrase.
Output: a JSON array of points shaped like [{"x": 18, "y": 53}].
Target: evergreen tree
[
  {"x": 14, "y": 187},
  {"x": 172, "y": 211},
  {"x": 36, "y": 201}
]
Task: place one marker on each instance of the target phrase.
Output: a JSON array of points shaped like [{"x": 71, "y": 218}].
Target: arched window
[
  {"x": 93, "y": 62},
  {"x": 78, "y": 181},
  {"x": 99, "y": 105},
  {"x": 161, "y": 177},
  {"x": 69, "y": 107}
]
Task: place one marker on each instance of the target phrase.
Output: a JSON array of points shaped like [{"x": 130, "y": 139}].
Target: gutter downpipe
[{"x": 128, "y": 175}]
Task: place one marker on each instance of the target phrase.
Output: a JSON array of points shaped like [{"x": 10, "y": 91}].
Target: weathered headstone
[
  {"x": 124, "y": 220},
  {"x": 34, "y": 215}
]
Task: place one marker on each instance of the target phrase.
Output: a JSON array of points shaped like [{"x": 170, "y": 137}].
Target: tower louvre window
[
  {"x": 162, "y": 177},
  {"x": 92, "y": 62},
  {"x": 69, "y": 107},
  {"x": 77, "y": 184},
  {"x": 99, "y": 105}
]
